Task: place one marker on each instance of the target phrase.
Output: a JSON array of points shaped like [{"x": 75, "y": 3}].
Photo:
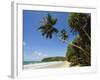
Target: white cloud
[
  {"x": 24, "y": 43},
  {"x": 33, "y": 55},
  {"x": 38, "y": 55}
]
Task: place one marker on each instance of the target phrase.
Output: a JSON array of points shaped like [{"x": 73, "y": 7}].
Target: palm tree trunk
[
  {"x": 78, "y": 22},
  {"x": 84, "y": 51},
  {"x": 86, "y": 34},
  {"x": 65, "y": 41}
]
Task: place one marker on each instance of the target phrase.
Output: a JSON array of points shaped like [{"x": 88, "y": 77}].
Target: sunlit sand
[{"x": 56, "y": 64}]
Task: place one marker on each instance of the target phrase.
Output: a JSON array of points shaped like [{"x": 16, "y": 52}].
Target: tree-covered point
[{"x": 48, "y": 59}]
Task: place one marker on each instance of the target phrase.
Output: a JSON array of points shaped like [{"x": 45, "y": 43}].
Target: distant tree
[{"x": 57, "y": 58}]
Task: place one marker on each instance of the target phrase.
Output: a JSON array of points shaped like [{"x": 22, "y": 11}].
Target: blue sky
[{"x": 35, "y": 46}]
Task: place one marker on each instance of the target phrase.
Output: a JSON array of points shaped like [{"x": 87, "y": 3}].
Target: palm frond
[
  {"x": 55, "y": 30},
  {"x": 41, "y": 27},
  {"x": 47, "y": 28},
  {"x": 54, "y": 21},
  {"x": 43, "y": 33}
]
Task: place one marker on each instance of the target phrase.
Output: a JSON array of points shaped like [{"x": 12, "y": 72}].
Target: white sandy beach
[{"x": 56, "y": 64}]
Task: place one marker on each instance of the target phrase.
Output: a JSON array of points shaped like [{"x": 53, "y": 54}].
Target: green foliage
[
  {"x": 74, "y": 61},
  {"x": 47, "y": 28},
  {"x": 79, "y": 49},
  {"x": 69, "y": 53},
  {"x": 77, "y": 20},
  {"x": 48, "y": 59},
  {"x": 63, "y": 34},
  {"x": 47, "y": 31},
  {"x": 77, "y": 56},
  {"x": 80, "y": 22},
  {"x": 51, "y": 20}
]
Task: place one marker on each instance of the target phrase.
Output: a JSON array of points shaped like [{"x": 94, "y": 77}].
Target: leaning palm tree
[
  {"x": 78, "y": 23},
  {"x": 47, "y": 26}
]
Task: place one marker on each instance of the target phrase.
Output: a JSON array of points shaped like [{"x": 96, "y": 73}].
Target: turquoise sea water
[{"x": 30, "y": 62}]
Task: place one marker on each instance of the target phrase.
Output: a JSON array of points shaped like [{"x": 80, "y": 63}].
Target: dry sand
[{"x": 56, "y": 64}]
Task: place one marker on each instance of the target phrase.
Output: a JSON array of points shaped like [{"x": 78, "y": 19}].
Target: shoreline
[{"x": 54, "y": 64}]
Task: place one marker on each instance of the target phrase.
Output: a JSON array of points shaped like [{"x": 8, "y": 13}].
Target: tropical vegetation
[
  {"x": 79, "y": 50},
  {"x": 48, "y": 59}
]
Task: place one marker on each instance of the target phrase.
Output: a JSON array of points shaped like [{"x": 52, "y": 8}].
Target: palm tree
[
  {"x": 47, "y": 28},
  {"x": 64, "y": 34},
  {"x": 80, "y": 22}
]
